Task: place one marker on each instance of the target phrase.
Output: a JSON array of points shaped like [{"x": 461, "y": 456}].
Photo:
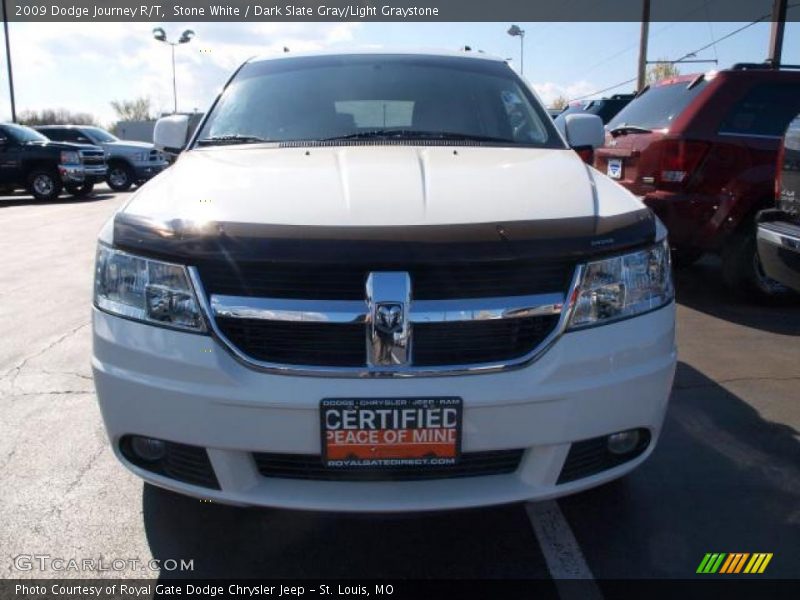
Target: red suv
[{"x": 700, "y": 150}]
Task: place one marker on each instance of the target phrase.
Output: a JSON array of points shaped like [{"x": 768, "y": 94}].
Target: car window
[
  {"x": 315, "y": 98},
  {"x": 23, "y": 134},
  {"x": 658, "y": 106},
  {"x": 57, "y": 135},
  {"x": 767, "y": 109},
  {"x": 377, "y": 113},
  {"x": 100, "y": 135},
  {"x": 67, "y": 135}
]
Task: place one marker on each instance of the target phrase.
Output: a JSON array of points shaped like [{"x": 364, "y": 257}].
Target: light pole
[
  {"x": 8, "y": 62},
  {"x": 186, "y": 37},
  {"x": 515, "y": 31}
]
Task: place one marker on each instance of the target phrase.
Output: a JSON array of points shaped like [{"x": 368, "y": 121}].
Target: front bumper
[
  {"x": 779, "y": 247},
  {"x": 81, "y": 174},
  {"x": 186, "y": 388}
]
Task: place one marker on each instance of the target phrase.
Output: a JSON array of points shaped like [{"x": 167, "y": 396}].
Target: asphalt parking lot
[{"x": 724, "y": 478}]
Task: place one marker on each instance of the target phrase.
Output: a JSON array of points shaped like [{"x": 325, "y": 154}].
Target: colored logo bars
[{"x": 736, "y": 562}]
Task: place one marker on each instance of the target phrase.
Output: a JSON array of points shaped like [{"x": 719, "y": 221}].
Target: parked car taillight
[{"x": 679, "y": 160}]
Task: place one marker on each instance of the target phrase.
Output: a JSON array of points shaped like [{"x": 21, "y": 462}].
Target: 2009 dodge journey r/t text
[{"x": 382, "y": 282}]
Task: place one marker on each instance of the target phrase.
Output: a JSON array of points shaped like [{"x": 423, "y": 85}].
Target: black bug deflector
[{"x": 576, "y": 238}]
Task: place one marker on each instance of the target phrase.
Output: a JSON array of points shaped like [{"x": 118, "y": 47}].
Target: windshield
[
  {"x": 25, "y": 134},
  {"x": 390, "y": 97},
  {"x": 100, "y": 136},
  {"x": 658, "y": 106}
]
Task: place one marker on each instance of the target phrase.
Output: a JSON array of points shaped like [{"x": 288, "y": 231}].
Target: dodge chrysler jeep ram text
[{"x": 382, "y": 282}]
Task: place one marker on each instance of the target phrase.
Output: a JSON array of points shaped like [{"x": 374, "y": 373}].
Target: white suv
[{"x": 382, "y": 282}]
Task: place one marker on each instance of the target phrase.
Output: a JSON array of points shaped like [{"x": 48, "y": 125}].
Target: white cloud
[
  {"x": 83, "y": 66},
  {"x": 549, "y": 91}
]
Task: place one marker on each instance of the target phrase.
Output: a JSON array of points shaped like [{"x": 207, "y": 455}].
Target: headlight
[
  {"x": 144, "y": 289},
  {"x": 623, "y": 286},
  {"x": 70, "y": 157}
]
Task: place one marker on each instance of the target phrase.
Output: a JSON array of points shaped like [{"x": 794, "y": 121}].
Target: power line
[
  {"x": 724, "y": 37},
  {"x": 687, "y": 55},
  {"x": 613, "y": 87},
  {"x": 734, "y": 32},
  {"x": 653, "y": 35}
]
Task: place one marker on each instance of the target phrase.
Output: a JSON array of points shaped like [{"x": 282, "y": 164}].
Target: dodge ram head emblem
[
  {"x": 388, "y": 327},
  {"x": 389, "y": 318}
]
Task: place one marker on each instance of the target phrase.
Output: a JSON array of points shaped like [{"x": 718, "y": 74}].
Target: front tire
[
  {"x": 743, "y": 273},
  {"x": 44, "y": 185},
  {"x": 120, "y": 177},
  {"x": 80, "y": 190}
]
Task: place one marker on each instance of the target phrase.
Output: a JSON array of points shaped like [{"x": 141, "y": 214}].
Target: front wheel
[
  {"x": 80, "y": 190},
  {"x": 44, "y": 184},
  {"x": 742, "y": 270},
  {"x": 120, "y": 177}
]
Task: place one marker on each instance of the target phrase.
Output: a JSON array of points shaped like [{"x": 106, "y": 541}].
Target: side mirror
[
  {"x": 581, "y": 130},
  {"x": 170, "y": 133}
]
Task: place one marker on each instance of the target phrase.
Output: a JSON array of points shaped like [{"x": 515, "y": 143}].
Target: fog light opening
[
  {"x": 624, "y": 442},
  {"x": 148, "y": 449}
]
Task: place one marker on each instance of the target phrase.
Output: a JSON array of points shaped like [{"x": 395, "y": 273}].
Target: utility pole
[
  {"x": 8, "y": 62},
  {"x": 776, "y": 32},
  {"x": 174, "y": 84},
  {"x": 640, "y": 80}
]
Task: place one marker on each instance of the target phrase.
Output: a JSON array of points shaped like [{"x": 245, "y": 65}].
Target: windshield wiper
[
  {"x": 220, "y": 140},
  {"x": 413, "y": 134},
  {"x": 620, "y": 129}
]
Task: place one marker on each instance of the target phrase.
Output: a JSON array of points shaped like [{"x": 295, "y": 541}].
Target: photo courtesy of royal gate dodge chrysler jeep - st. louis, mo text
[{"x": 382, "y": 282}]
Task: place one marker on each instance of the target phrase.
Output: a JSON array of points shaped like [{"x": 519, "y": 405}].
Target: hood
[
  {"x": 66, "y": 146},
  {"x": 379, "y": 203},
  {"x": 376, "y": 186},
  {"x": 129, "y": 145}
]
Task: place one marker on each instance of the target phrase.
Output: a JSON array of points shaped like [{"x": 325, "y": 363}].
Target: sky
[{"x": 82, "y": 67}]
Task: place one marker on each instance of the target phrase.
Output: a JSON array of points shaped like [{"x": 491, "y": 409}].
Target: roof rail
[{"x": 765, "y": 65}]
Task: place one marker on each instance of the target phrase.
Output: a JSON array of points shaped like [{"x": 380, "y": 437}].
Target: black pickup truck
[{"x": 31, "y": 161}]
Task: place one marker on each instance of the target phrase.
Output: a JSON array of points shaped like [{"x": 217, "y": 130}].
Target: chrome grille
[
  {"x": 431, "y": 281},
  {"x": 388, "y": 331},
  {"x": 342, "y": 344},
  {"x": 93, "y": 157}
]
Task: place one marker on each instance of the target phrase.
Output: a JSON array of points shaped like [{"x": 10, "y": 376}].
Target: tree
[
  {"x": 661, "y": 70},
  {"x": 132, "y": 110},
  {"x": 559, "y": 102},
  {"x": 55, "y": 116}
]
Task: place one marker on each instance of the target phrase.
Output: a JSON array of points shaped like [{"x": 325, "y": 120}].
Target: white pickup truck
[{"x": 382, "y": 282}]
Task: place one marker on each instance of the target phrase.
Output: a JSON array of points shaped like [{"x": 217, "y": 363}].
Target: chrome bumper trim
[
  {"x": 355, "y": 311},
  {"x": 784, "y": 239}
]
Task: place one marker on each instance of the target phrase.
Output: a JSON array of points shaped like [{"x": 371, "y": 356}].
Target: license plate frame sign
[{"x": 390, "y": 433}]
